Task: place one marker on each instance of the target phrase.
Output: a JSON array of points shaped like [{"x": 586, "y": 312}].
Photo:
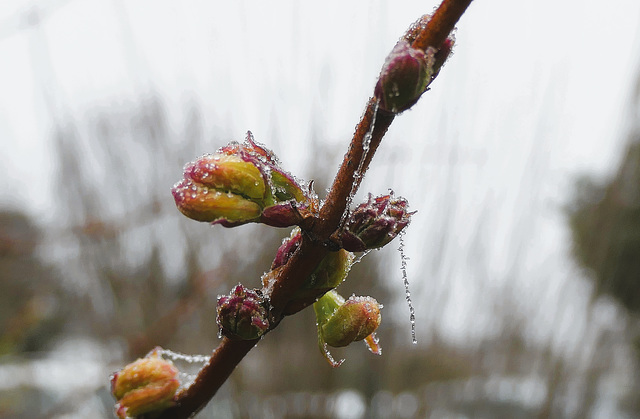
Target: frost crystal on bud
[
  {"x": 341, "y": 322},
  {"x": 242, "y": 314},
  {"x": 375, "y": 223},
  {"x": 242, "y": 183},
  {"x": 146, "y": 385}
]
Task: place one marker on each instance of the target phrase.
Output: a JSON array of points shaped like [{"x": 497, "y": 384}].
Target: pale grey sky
[{"x": 534, "y": 94}]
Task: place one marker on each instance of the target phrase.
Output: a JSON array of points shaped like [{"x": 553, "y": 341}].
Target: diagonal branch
[{"x": 229, "y": 353}]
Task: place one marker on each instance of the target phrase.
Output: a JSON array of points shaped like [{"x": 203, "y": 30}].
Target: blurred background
[{"x": 523, "y": 162}]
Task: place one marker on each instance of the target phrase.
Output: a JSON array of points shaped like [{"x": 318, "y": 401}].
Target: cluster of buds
[
  {"x": 341, "y": 322},
  {"x": 145, "y": 386},
  {"x": 330, "y": 273},
  {"x": 243, "y": 314},
  {"x": 375, "y": 223},
  {"x": 408, "y": 69},
  {"x": 242, "y": 183}
]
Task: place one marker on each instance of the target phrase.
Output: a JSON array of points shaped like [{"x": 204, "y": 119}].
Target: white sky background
[{"x": 535, "y": 94}]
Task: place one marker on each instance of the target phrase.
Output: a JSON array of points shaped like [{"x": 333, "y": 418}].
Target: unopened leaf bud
[
  {"x": 375, "y": 223},
  {"x": 242, "y": 314},
  {"x": 144, "y": 386},
  {"x": 341, "y": 322}
]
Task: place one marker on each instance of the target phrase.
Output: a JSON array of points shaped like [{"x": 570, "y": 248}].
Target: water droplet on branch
[{"x": 405, "y": 280}]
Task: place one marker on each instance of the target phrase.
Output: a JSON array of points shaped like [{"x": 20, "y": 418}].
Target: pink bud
[
  {"x": 227, "y": 173},
  {"x": 242, "y": 314},
  {"x": 404, "y": 77},
  {"x": 242, "y": 183},
  {"x": 409, "y": 69},
  {"x": 375, "y": 223}
]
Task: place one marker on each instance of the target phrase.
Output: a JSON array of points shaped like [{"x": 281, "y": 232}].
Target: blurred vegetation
[
  {"x": 124, "y": 268},
  {"x": 605, "y": 221},
  {"x": 33, "y": 306},
  {"x": 604, "y": 217}
]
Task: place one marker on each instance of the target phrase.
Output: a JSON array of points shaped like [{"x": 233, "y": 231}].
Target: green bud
[
  {"x": 285, "y": 187},
  {"x": 227, "y": 173},
  {"x": 330, "y": 273},
  {"x": 341, "y": 322},
  {"x": 243, "y": 183},
  {"x": 146, "y": 385},
  {"x": 333, "y": 269},
  {"x": 201, "y": 203}
]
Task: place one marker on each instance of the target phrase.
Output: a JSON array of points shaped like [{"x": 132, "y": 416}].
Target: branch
[
  {"x": 441, "y": 24},
  {"x": 311, "y": 251}
]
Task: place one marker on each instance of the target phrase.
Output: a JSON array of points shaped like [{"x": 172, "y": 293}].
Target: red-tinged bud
[
  {"x": 286, "y": 214},
  {"x": 227, "y": 173},
  {"x": 251, "y": 147},
  {"x": 404, "y": 77},
  {"x": 375, "y": 223},
  {"x": 330, "y": 273},
  {"x": 442, "y": 55},
  {"x": 287, "y": 248},
  {"x": 409, "y": 68},
  {"x": 144, "y": 386},
  {"x": 341, "y": 322},
  {"x": 242, "y": 314},
  {"x": 202, "y": 203},
  {"x": 285, "y": 187},
  {"x": 243, "y": 183},
  {"x": 443, "y": 51}
]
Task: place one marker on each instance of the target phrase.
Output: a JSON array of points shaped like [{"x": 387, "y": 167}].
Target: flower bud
[
  {"x": 227, "y": 173},
  {"x": 404, "y": 77},
  {"x": 409, "y": 69},
  {"x": 201, "y": 203},
  {"x": 375, "y": 223},
  {"x": 146, "y": 385},
  {"x": 329, "y": 273},
  {"x": 287, "y": 248},
  {"x": 285, "y": 214},
  {"x": 341, "y": 322},
  {"x": 442, "y": 55},
  {"x": 285, "y": 187},
  {"x": 242, "y": 183},
  {"x": 242, "y": 314}
]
